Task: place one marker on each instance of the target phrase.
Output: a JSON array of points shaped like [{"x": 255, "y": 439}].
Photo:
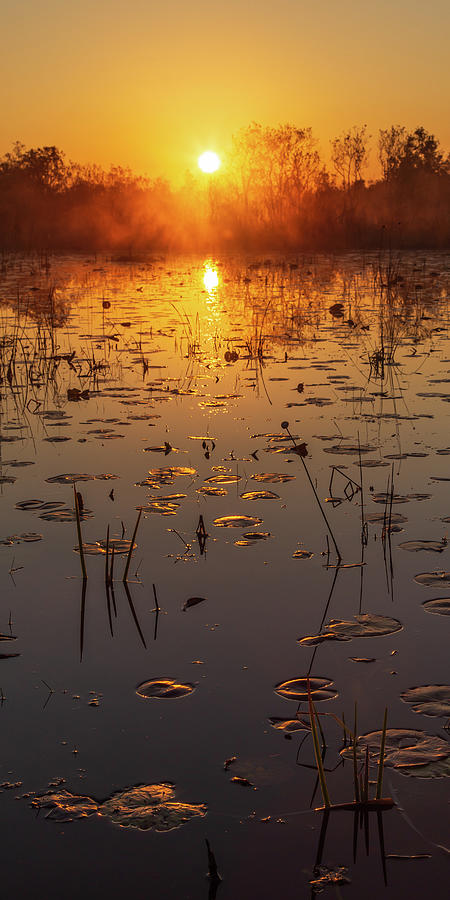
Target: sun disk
[{"x": 208, "y": 162}]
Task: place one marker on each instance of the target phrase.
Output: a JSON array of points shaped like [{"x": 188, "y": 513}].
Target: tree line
[{"x": 273, "y": 191}]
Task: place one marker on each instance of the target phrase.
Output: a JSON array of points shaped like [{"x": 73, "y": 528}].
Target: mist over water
[{"x": 273, "y": 191}]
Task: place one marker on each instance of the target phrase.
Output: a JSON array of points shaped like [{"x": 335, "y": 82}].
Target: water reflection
[{"x": 210, "y": 278}]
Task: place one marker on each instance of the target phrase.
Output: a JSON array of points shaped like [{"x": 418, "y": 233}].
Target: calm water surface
[{"x": 189, "y": 366}]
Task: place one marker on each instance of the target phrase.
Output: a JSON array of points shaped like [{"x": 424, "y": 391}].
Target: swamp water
[{"x": 139, "y": 720}]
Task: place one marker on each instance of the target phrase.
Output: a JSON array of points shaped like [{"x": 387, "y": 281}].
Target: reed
[
  {"x": 319, "y": 762},
  {"x": 381, "y": 761},
  {"x": 80, "y": 539},
  {"x": 107, "y": 557},
  {"x": 130, "y": 552}
]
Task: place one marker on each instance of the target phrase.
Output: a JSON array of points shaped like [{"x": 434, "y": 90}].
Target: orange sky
[{"x": 152, "y": 84}]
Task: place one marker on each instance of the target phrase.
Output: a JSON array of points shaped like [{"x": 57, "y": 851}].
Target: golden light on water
[
  {"x": 210, "y": 278},
  {"x": 208, "y": 162}
]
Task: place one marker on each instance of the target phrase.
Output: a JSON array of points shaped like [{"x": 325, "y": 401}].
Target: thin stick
[
  {"x": 355, "y": 762},
  {"x": 80, "y": 540},
  {"x": 286, "y": 427},
  {"x": 130, "y": 552},
  {"x": 107, "y": 557},
  {"x": 111, "y": 571},
  {"x": 156, "y": 598},
  {"x": 338, "y": 554},
  {"x": 381, "y": 762}
]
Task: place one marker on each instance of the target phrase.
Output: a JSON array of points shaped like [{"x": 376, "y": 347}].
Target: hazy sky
[{"x": 152, "y": 83}]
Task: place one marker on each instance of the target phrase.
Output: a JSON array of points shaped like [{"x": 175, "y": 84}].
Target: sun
[{"x": 208, "y": 162}]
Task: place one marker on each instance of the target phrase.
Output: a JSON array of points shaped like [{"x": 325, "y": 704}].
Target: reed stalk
[
  {"x": 80, "y": 539},
  {"x": 130, "y": 552},
  {"x": 381, "y": 761},
  {"x": 319, "y": 763}
]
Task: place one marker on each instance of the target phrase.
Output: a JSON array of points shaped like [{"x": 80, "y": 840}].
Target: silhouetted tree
[
  {"x": 403, "y": 154},
  {"x": 350, "y": 154}
]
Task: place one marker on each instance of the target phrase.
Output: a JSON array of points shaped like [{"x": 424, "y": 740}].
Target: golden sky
[{"x": 153, "y": 83}]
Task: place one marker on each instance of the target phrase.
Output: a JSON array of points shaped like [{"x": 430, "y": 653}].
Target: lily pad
[
  {"x": 64, "y": 515},
  {"x": 273, "y": 477},
  {"x": 72, "y": 478},
  {"x": 411, "y": 752},
  {"x": 260, "y": 495},
  {"x": 147, "y": 806},
  {"x": 164, "y": 689},
  {"x": 193, "y": 601},
  {"x": 439, "y": 607},
  {"x": 365, "y": 625},
  {"x": 395, "y": 518},
  {"x": 223, "y": 479},
  {"x": 297, "y": 689},
  {"x": 236, "y": 521},
  {"x": 430, "y": 700},
  {"x": 98, "y": 548},
  {"x": 39, "y": 504},
  {"x": 212, "y": 491},
  {"x": 433, "y": 579},
  {"x": 65, "y": 807},
  {"x": 289, "y": 726},
  {"x": 150, "y": 806},
  {"x": 431, "y": 546}
]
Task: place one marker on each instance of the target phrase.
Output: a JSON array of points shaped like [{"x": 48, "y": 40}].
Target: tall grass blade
[
  {"x": 107, "y": 557},
  {"x": 80, "y": 539},
  {"x": 130, "y": 552},
  {"x": 381, "y": 762},
  {"x": 319, "y": 763},
  {"x": 355, "y": 761}
]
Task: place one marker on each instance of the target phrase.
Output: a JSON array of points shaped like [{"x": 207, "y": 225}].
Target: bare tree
[{"x": 350, "y": 155}]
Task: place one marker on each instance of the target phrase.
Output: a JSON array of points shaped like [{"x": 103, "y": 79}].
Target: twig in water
[{"x": 301, "y": 452}]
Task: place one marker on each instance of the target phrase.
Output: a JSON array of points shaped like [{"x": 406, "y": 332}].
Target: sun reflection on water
[{"x": 210, "y": 278}]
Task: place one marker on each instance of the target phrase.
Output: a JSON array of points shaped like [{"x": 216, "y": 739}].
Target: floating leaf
[
  {"x": 365, "y": 625},
  {"x": 259, "y": 495},
  {"x": 223, "y": 479},
  {"x": 289, "y": 726},
  {"x": 375, "y": 518},
  {"x": 145, "y": 807},
  {"x": 431, "y": 700},
  {"x": 193, "y": 601},
  {"x": 431, "y": 546},
  {"x": 433, "y": 579},
  {"x": 28, "y": 537},
  {"x": 150, "y": 807},
  {"x": 411, "y": 752},
  {"x": 439, "y": 607},
  {"x": 65, "y": 807},
  {"x": 72, "y": 478},
  {"x": 350, "y": 449},
  {"x": 236, "y": 521},
  {"x": 98, "y": 548},
  {"x": 273, "y": 477},
  {"x": 39, "y": 504},
  {"x": 64, "y": 515},
  {"x": 212, "y": 491},
  {"x": 164, "y": 689},
  {"x": 297, "y": 689}
]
